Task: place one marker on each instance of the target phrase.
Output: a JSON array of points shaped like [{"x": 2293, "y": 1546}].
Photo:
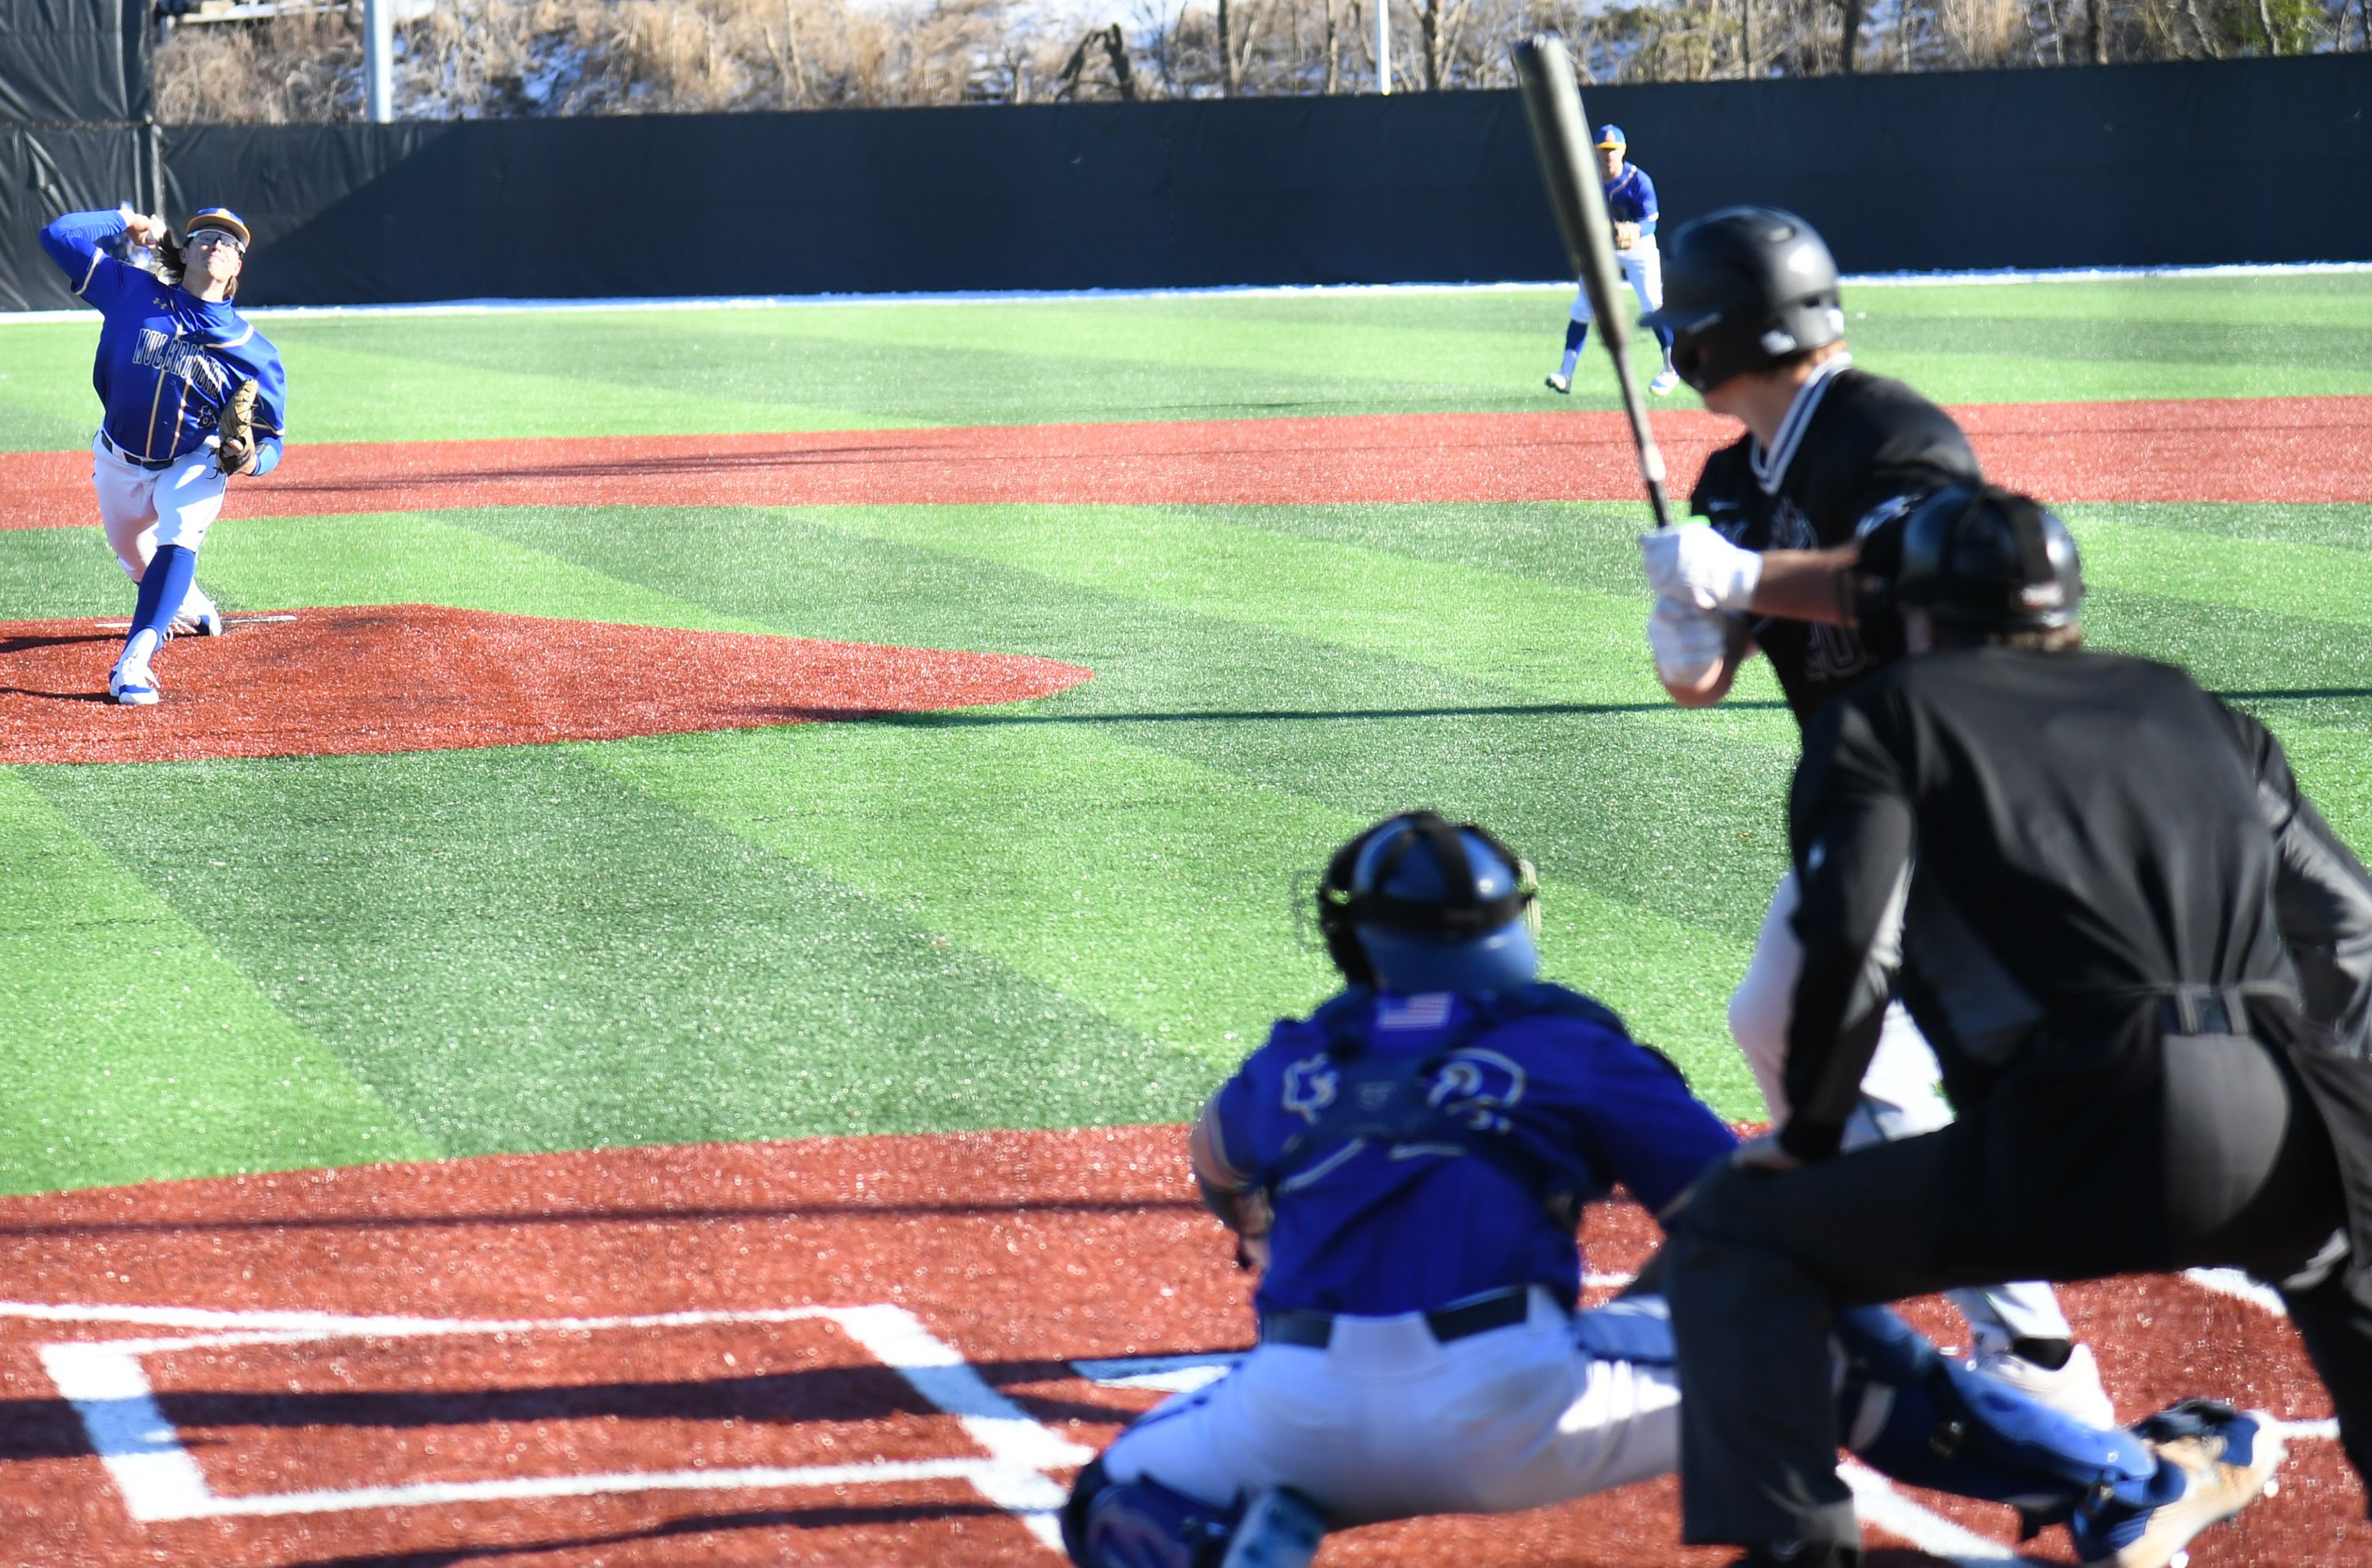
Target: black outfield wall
[{"x": 2238, "y": 161}]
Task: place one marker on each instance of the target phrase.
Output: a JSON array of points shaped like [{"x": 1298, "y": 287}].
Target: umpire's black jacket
[{"x": 2046, "y": 852}]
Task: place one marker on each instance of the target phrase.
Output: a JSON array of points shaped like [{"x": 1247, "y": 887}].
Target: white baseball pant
[
  {"x": 1387, "y": 1424},
  {"x": 1902, "y": 1097},
  {"x": 1642, "y": 269},
  {"x": 141, "y": 509}
]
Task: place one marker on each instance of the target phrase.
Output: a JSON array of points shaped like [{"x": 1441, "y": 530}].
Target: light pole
[{"x": 378, "y": 59}]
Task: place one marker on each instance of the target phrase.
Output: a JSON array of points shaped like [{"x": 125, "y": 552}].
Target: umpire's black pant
[{"x": 2156, "y": 1153}]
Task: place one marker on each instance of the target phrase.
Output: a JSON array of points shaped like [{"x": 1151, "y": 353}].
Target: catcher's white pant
[
  {"x": 1902, "y": 1095},
  {"x": 1387, "y": 1424},
  {"x": 1642, "y": 269},
  {"x": 143, "y": 508}
]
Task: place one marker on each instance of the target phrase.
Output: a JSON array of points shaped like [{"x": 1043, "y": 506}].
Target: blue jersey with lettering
[
  {"x": 1376, "y": 1230},
  {"x": 1631, "y": 198},
  {"x": 167, "y": 361}
]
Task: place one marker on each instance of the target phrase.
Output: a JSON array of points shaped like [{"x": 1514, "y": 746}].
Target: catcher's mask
[
  {"x": 1981, "y": 559},
  {"x": 1416, "y": 904},
  {"x": 1744, "y": 288}
]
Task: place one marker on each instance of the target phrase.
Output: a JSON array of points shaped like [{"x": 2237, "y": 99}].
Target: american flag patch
[{"x": 1428, "y": 1010}]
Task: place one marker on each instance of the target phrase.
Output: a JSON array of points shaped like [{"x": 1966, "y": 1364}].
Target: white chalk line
[
  {"x": 2237, "y": 1284},
  {"x": 160, "y": 1481},
  {"x": 1876, "y": 1500}
]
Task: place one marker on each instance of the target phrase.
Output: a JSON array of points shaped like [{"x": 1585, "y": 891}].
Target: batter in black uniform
[
  {"x": 1831, "y": 454},
  {"x": 2145, "y": 963}
]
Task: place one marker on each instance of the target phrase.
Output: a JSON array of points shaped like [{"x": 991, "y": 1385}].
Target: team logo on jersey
[
  {"x": 180, "y": 356},
  {"x": 1310, "y": 1086},
  {"x": 1477, "y": 1087},
  {"x": 1790, "y": 529}
]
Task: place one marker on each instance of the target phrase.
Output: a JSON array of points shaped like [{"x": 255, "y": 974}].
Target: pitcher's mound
[{"x": 420, "y": 678}]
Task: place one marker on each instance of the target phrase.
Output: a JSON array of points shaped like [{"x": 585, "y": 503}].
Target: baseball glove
[
  {"x": 237, "y": 447},
  {"x": 1626, "y": 235}
]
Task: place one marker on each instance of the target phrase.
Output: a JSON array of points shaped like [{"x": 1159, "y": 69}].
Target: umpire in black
[{"x": 2146, "y": 964}]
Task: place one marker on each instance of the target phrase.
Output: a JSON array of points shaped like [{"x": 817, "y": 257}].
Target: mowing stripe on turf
[
  {"x": 133, "y": 1049},
  {"x": 1561, "y": 643},
  {"x": 520, "y": 952},
  {"x": 417, "y": 558},
  {"x": 2324, "y": 582},
  {"x": 2269, "y": 522},
  {"x": 1671, "y": 811},
  {"x": 1156, "y": 890},
  {"x": 546, "y": 388}
]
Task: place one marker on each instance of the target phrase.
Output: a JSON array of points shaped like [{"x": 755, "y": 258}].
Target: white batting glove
[
  {"x": 1700, "y": 568},
  {"x": 1689, "y": 643}
]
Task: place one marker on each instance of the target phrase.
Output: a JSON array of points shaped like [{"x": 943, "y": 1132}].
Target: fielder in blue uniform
[
  {"x": 1408, "y": 1165},
  {"x": 172, "y": 350},
  {"x": 1630, "y": 203}
]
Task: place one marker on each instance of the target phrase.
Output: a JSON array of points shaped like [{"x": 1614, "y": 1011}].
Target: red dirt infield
[
  {"x": 693, "y": 1355},
  {"x": 2303, "y": 449},
  {"x": 420, "y": 678}
]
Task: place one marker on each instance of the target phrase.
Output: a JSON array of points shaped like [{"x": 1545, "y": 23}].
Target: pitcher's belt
[{"x": 150, "y": 463}]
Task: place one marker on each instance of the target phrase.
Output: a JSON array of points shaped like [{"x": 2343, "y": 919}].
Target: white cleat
[
  {"x": 1559, "y": 383},
  {"x": 2074, "y": 1390},
  {"x": 133, "y": 687},
  {"x": 1667, "y": 382}
]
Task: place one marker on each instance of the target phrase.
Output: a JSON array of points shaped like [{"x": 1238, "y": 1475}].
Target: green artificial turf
[
  {"x": 402, "y": 377},
  {"x": 1071, "y": 910}
]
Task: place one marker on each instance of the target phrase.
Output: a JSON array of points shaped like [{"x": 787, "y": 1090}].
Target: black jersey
[
  {"x": 1856, "y": 450},
  {"x": 2020, "y": 836}
]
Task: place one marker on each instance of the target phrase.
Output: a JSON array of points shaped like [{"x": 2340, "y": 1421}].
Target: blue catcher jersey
[
  {"x": 1631, "y": 198},
  {"x": 1375, "y": 1229},
  {"x": 167, "y": 361}
]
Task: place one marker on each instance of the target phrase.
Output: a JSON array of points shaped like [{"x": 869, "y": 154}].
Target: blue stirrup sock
[
  {"x": 162, "y": 589},
  {"x": 1575, "y": 335}
]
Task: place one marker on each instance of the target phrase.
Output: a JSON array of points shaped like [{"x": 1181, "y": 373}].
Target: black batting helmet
[
  {"x": 1745, "y": 287},
  {"x": 1982, "y": 558}
]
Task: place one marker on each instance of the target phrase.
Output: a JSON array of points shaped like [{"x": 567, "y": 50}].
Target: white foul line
[
  {"x": 2237, "y": 1284},
  {"x": 1878, "y": 1503},
  {"x": 160, "y": 1481}
]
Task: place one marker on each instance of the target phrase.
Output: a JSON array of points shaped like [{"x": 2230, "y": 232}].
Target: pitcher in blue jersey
[
  {"x": 172, "y": 352},
  {"x": 1631, "y": 203},
  {"x": 1408, "y": 1165}
]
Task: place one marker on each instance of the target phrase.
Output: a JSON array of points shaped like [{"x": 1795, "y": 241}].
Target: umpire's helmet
[
  {"x": 1981, "y": 559},
  {"x": 1416, "y": 904},
  {"x": 1745, "y": 287}
]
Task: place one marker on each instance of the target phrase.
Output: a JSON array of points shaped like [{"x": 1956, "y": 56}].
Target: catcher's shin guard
[
  {"x": 1280, "y": 1528},
  {"x": 1921, "y": 1417},
  {"x": 1142, "y": 1523}
]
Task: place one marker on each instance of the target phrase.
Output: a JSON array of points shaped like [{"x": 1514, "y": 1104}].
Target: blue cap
[
  {"x": 223, "y": 218},
  {"x": 1611, "y": 135}
]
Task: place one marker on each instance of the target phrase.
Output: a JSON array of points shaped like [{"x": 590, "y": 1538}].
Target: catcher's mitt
[{"x": 237, "y": 428}]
